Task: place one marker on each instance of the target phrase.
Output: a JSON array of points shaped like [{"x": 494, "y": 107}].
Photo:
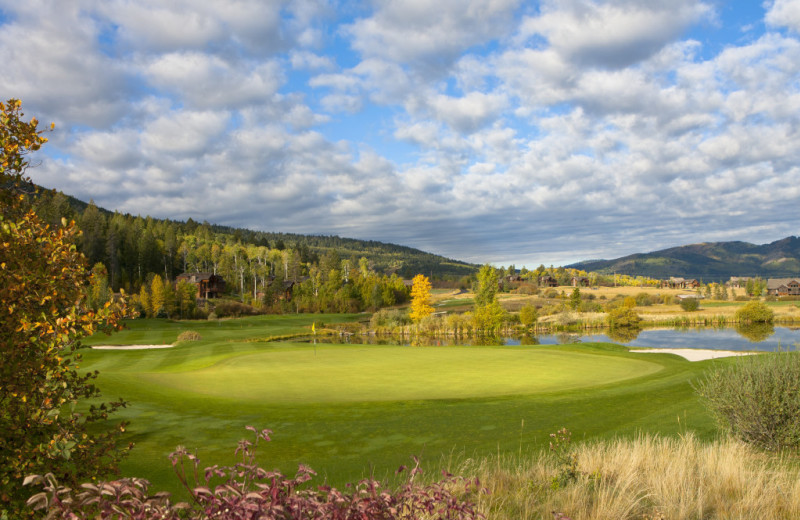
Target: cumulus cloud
[
  {"x": 155, "y": 26},
  {"x": 486, "y": 131},
  {"x": 183, "y": 133},
  {"x": 784, "y": 13},
  {"x": 53, "y": 62},
  {"x": 209, "y": 81},
  {"x": 611, "y": 34},
  {"x": 430, "y": 33}
]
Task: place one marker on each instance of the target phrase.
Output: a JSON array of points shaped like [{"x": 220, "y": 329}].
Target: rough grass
[
  {"x": 647, "y": 477},
  {"x": 359, "y": 420}
]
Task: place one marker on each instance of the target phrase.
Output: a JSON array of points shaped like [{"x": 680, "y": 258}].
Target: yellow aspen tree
[
  {"x": 157, "y": 295},
  {"x": 420, "y": 298}
]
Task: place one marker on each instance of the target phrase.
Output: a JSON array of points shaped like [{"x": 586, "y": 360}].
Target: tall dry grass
[{"x": 650, "y": 477}]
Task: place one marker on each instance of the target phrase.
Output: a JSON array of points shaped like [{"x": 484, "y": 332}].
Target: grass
[
  {"x": 352, "y": 411},
  {"x": 644, "y": 477}
]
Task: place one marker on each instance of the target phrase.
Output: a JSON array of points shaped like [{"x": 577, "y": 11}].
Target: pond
[{"x": 764, "y": 338}]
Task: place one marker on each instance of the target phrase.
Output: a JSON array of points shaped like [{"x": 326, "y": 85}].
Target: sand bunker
[
  {"x": 693, "y": 354},
  {"x": 129, "y": 347}
]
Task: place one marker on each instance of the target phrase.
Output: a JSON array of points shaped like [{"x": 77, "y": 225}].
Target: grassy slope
[{"x": 346, "y": 417}]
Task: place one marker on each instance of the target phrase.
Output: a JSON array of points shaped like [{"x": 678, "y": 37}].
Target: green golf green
[{"x": 305, "y": 374}]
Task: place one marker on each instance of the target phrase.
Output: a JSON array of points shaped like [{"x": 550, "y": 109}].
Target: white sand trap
[
  {"x": 129, "y": 347},
  {"x": 693, "y": 354}
]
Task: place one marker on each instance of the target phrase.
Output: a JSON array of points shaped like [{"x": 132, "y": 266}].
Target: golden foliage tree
[
  {"x": 44, "y": 310},
  {"x": 420, "y": 298},
  {"x": 157, "y": 295}
]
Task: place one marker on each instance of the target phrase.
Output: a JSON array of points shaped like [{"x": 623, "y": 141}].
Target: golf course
[{"x": 350, "y": 411}]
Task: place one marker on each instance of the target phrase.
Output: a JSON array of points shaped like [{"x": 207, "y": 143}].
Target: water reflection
[
  {"x": 624, "y": 334},
  {"x": 756, "y": 332},
  {"x": 741, "y": 338}
]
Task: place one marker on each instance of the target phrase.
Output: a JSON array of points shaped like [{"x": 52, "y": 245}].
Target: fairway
[
  {"x": 350, "y": 411},
  {"x": 296, "y": 373}
]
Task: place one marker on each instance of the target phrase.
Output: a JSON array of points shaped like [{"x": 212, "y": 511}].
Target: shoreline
[{"x": 130, "y": 347}]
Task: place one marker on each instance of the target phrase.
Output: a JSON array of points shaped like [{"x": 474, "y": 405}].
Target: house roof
[{"x": 774, "y": 283}]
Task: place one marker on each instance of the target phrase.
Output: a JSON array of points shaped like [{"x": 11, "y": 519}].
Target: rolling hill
[
  {"x": 708, "y": 260},
  {"x": 384, "y": 257}
]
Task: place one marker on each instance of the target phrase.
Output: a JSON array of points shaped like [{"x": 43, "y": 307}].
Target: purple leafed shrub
[{"x": 245, "y": 491}]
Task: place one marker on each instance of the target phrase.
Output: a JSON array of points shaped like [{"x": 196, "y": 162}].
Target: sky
[{"x": 497, "y": 131}]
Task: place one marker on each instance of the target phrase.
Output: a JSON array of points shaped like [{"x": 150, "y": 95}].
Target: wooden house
[
  {"x": 676, "y": 282},
  {"x": 209, "y": 285},
  {"x": 580, "y": 281},
  {"x": 738, "y": 282},
  {"x": 547, "y": 281},
  {"x": 783, "y": 286},
  {"x": 284, "y": 288}
]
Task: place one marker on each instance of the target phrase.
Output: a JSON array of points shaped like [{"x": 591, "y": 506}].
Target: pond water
[
  {"x": 764, "y": 339},
  {"x": 759, "y": 338}
]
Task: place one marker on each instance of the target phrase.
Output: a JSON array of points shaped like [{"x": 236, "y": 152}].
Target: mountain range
[{"x": 710, "y": 261}]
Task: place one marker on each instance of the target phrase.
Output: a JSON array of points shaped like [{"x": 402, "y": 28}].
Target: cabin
[
  {"x": 676, "y": 282},
  {"x": 738, "y": 282},
  {"x": 547, "y": 281},
  {"x": 209, "y": 285},
  {"x": 580, "y": 281},
  {"x": 284, "y": 289},
  {"x": 783, "y": 286}
]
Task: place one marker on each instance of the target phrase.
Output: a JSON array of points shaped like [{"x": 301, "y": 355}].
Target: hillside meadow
[{"x": 350, "y": 411}]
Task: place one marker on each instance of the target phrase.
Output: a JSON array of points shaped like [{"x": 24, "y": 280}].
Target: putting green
[{"x": 299, "y": 373}]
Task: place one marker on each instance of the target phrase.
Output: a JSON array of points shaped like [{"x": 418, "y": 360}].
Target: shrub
[
  {"x": 528, "y": 315},
  {"x": 386, "y": 318},
  {"x": 245, "y": 490},
  {"x": 644, "y": 299},
  {"x": 588, "y": 306},
  {"x": 566, "y": 318},
  {"x": 690, "y": 304},
  {"x": 623, "y": 317},
  {"x": 234, "y": 309},
  {"x": 755, "y": 312},
  {"x": 757, "y": 399},
  {"x": 189, "y": 335},
  {"x": 527, "y": 288}
]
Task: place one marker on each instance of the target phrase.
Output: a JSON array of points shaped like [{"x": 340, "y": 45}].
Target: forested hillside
[
  {"x": 709, "y": 261},
  {"x": 132, "y": 246}
]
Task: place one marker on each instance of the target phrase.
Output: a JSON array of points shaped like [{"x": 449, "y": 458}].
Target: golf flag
[{"x": 313, "y": 329}]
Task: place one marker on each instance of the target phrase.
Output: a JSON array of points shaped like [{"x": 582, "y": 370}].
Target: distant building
[
  {"x": 783, "y": 286},
  {"x": 739, "y": 282},
  {"x": 284, "y": 288},
  {"x": 675, "y": 282},
  {"x": 547, "y": 281},
  {"x": 209, "y": 285},
  {"x": 580, "y": 281}
]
